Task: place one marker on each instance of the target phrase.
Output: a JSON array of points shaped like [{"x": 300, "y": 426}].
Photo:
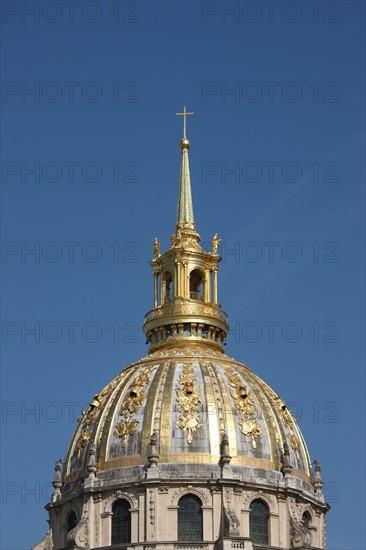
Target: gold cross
[{"x": 184, "y": 115}]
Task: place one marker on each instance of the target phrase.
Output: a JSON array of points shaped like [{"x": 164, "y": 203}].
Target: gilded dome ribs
[
  {"x": 166, "y": 412},
  {"x": 152, "y": 414},
  {"x": 159, "y": 398},
  {"x": 109, "y": 414},
  {"x": 88, "y": 418},
  {"x": 210, "y": 395},
  {"x": 292, "y": 432},
  {"x": 108, "y": 403},
  {"x": 214, "y": 408},
  {"x": 227, "y": 408},
  {"x": 218, "y": 400},
  {"x": 271, "y": 423}
]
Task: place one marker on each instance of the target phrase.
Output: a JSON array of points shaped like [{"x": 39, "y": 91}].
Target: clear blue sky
[{"x": 100, "y": 131}]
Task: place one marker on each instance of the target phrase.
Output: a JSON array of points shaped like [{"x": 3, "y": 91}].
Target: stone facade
[{"x": 225, "y": 492}]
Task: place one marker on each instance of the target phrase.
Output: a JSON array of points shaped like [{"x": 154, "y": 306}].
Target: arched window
[
  {"x": 306, "y": 519},
  {"x": 258, "y": 522},
  {"x": 190, "y": 518},
  {"x": 121, "y": 522},
  {"x": 196, "y": 285},
  {"x": 72, "y": 521},
  {"x": 167, "y": 282}
]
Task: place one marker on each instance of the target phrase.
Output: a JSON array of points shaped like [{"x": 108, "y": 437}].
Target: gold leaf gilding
[
  {"x": 244, "y": 404},
  {"x": 131, "y": 405},
  {"x": 188, "y": 399}
]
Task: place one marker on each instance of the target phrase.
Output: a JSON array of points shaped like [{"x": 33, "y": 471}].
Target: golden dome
[
  {"x": 187, "y": 403},
  {"x": 188, "y": 396}
]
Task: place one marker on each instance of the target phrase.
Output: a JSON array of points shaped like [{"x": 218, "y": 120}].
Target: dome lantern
[{"x": 186, "y": 308}]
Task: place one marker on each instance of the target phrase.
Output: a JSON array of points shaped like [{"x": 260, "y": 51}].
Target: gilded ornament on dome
[
  {"x": 90, "y": 415},
  {"x": 131, "y": 405},
  {"x": 81, "y": 443},
  {"x": 188, "y": 399},
  {"x": 295, "y": 444},
  {"x": 244, "y": 404},
  {"x": 288, "y": 419},
  {"x": 250, "y": 428},
  {"x": 286, "y": 415},
  {"x": 124, "y": 428}
]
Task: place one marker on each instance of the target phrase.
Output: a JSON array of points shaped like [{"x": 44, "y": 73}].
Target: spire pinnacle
[
  {"x": 185, "y": 218},
  {"x": 184, "y": 115}
]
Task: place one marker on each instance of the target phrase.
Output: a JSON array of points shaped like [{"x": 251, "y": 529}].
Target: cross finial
[{"x": 184, "y": 115}]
